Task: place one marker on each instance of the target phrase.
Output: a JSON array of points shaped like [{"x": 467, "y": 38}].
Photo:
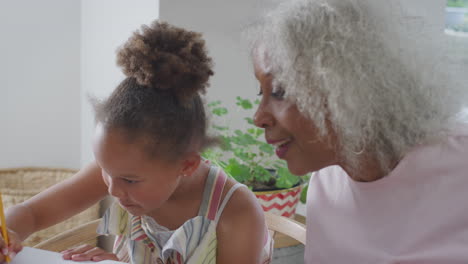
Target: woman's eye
[
  {"x": 278, "y": 93},
  {"x": 260, "y": 92}
]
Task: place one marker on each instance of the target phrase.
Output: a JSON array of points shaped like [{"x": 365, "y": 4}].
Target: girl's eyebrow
[
  {"x": 129, "y": 176},
  {"x": 123, "y": 175}
]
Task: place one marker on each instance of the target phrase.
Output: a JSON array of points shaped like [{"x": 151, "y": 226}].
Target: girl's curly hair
[
  {"x": 165, "y": 57},
  {"x": 167, "y": 69}
]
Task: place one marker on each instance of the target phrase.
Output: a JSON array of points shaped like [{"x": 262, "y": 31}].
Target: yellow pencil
[{"x": 4, "y": 228}]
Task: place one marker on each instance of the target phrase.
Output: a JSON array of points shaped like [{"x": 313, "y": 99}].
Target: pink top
[{"x": 416, "y": 214}]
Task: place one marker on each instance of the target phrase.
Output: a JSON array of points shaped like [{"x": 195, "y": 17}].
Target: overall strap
[
  {"x": 226, "y": 199},
  {"x": 214, "y": 187}
]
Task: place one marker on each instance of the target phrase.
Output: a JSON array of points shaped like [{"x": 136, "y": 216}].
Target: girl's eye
[{"x": 129, "y": 181}]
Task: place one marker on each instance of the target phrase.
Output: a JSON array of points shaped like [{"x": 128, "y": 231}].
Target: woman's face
[
  {"x": 296, "y": 138},
  {"x": 140, "y": 184}
]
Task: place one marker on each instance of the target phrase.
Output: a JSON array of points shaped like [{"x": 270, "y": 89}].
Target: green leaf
[
  {"x": 239, "y": 172},
  {"x": 286, "y": 179},
  {"x": 214, "y": 103},
  {"x": 219, "y": 111},
  {"x": 244, "y": 103},
  {"x": 238, "y": 132},
  {"x": 267, "y": 148},
  {"x": 220, "y": 128},
  {"x": 226, "y": 143},
  {"x": 259, "y": 132},
  {"x": 212, "y": 155},
  {"x": 303, "y": 198},
  {"x": 239, "y": 153},
  {"x": 262, "y": 174},
  {"x": 243, "y": 139},
  {"x": 252, "y": 131},
  {"x": 255, "y": 131},
  {"x": 249, "y": 120}
]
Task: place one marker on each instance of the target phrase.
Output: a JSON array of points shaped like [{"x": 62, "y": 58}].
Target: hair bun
[{"x": 162, "y": 56}]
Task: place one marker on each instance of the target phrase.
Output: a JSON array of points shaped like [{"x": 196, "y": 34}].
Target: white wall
[
  {"x": 105, "y": 25},
  {"x": 54, "y": 53},
  {"x": 39, "y": 83},
  {"x": 221, "y": 23}
]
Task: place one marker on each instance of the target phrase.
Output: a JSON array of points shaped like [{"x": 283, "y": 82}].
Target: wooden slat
[{"x": 286, "y": 226}]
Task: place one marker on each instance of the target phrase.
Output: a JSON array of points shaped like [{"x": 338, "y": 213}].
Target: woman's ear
[{"x": 190, "y": 164}]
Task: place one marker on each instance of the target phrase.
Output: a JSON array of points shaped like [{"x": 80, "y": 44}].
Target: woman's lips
[
  {"x": 282, "y": 146},
  {"x": 282, "y": 150}
]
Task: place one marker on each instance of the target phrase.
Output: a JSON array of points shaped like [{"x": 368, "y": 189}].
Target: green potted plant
[{"x": 248, "y": 159}]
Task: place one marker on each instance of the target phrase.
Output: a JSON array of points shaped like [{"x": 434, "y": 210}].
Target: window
[{"x": 456, "y": 17}]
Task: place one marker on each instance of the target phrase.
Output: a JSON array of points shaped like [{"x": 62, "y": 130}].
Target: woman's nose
[{"x": 262, "y": 117}]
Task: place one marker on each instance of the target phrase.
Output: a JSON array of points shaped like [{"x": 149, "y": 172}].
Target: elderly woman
[{"x": 388, "y": 149}]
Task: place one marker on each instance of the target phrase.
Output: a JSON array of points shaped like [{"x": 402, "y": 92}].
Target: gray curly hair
[{"x": 330, "y": 58}]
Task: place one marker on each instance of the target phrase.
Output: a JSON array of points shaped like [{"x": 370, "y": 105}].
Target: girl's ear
[{"x": 190, "y": 163}]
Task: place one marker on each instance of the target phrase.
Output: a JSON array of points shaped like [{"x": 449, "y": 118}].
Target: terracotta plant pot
[{"x": 282, "y": 202}]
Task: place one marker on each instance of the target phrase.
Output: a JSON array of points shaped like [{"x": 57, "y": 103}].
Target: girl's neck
[
  {"x": 185, "y": 202},
  {"x": 192, "y": 184}
]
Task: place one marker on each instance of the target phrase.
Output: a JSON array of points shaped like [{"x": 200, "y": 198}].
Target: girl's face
[
  {"x": 296, "y": 138},
  {"x": 140, "y": 184}
]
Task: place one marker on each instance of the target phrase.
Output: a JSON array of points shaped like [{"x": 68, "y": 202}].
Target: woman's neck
[{"x": 369, "y": 169}]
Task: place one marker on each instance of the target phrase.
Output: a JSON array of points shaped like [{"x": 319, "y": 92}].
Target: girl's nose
[{"x": 114, "y": 189}]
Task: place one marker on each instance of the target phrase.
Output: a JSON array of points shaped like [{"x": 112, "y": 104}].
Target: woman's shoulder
[
  {"x": 450, "y": 144},
  {"x": 330, "y": 173},
  {"x": 445, "y": 156}
]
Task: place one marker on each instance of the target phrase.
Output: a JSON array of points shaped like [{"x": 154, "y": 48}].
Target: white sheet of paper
[{"x": 38, "y": 256}]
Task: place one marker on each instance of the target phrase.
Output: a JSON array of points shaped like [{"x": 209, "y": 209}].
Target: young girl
[{"x": 170, "y": 205}]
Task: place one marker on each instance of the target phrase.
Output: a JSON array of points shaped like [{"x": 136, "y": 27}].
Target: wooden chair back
[{"x": 287, "y": 226}]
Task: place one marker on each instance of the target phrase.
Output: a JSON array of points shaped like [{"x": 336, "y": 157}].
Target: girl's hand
[
  {"x": 14, "y": 246},
  {"x": 87, "y": 253}
]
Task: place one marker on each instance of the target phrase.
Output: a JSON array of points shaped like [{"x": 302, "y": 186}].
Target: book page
[{"x": 38, "y": 256}]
